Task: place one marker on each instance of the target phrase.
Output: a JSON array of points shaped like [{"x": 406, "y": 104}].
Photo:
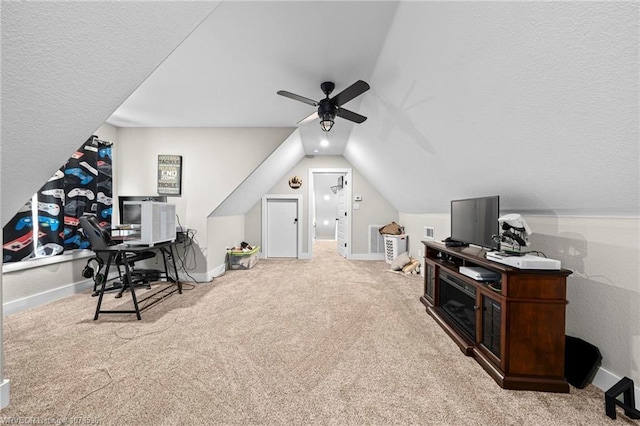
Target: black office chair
[{"x": 99, "y": 238}]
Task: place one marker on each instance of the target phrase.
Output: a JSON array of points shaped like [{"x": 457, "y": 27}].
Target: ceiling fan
[{"x": 328, "y": 108}]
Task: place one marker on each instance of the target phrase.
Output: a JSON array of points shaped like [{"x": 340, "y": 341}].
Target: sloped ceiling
[
  {"x": 227, "y": 73},
  {"x": 263, "y": 178},
  {"x": 534, "y": 101},
  {"x": 66, "y": 66}
]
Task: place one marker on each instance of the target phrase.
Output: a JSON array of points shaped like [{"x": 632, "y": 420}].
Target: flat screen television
[
  {"x": 475, "y": 221},
  {"x": 131, "y": 214}
]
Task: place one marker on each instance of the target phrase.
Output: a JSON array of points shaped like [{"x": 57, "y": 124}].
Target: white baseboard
[
  {"x": 32, "y": 301},
  {"x": 201, "y": 277},
  {"x": 604, "y": 380},
  {"x": 366, "y": 256},
  {"x": 4, "y": 393},
  {"x": 198, "y": 277},
  {"x": 217, "y": 271}
]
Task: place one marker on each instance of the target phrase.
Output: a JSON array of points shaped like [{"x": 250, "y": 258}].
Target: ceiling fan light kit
[
  {"x": 326, "y": 123},
  {"x": 328, "y": 108}
]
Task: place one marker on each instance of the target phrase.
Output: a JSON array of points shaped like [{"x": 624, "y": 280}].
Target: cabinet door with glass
[
  {"x": 491, "y": 334},
  {"x": 429, "y": 281}
]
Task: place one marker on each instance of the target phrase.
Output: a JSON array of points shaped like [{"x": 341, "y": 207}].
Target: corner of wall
[
  {"x": 414, "y": 227},
  {"x": 223, "y": 232}
]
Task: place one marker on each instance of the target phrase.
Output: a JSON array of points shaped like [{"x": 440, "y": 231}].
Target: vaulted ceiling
[
  {"x": 536, "y": 102},
  {"x": 227, "y": 72}
]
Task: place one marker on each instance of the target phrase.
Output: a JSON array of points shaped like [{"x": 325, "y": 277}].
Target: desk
[{"x": 115, "y": 254}]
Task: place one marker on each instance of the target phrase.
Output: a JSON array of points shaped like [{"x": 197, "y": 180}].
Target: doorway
[
  {"x": 336, "y": 183},
  {"x": 326, "y": 206},
  {"x": 281, "y": 235}
]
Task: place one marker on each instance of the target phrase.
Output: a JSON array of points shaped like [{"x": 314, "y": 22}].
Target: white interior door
[
  {"x": 282, "y": 228},
  {"x": 341, "y": 219}
]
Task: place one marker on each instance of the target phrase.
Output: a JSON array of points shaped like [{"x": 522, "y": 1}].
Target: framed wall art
[{"x": 169, "y": 174}]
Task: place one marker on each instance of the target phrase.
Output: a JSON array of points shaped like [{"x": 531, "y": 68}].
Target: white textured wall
[
  {"x": 66, "y": 66},
  {"x": 374, "y": 210},
  {"x": 414, "y": 227},
  {"x": 224, "y": 232},
  {"x": 214, "y": 162},
  {"x": 604, "y": 289},
  {"x": 262, "y": 178},
  {"x": 535, "y": 101},
  {"x": 26, "y": 283}
]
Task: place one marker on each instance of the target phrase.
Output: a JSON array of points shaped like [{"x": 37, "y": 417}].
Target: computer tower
[{"x": 157, "y": 222}]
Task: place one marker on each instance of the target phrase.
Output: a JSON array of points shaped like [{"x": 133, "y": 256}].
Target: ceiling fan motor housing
[
  {"x": 327, "y": 107},
  {"x": 327, "y": 87}
]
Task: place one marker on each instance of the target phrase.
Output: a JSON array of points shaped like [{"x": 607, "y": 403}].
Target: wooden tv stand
[{"x": 518, "y": 335}]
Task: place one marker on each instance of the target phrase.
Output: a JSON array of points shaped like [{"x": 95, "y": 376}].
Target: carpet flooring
[{"x": 321, "y": 341}]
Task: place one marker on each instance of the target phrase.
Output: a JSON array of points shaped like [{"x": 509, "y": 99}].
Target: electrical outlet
[{"x": 429, "y": 232}]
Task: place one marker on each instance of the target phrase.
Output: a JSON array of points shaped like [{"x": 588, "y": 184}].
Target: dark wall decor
[
  {"x": 169, "y": 174},
  {"x": 295, "y": 182}
]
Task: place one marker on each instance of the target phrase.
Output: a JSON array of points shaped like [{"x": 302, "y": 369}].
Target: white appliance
[
  {"x": 479, "y": 274},
  {"x": 157, "y": 222},
  {"x": 528, "y": 261}
]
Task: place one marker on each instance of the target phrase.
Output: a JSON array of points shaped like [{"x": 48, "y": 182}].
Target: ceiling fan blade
[
  {"x": 297, "y": 97},
  {"x": 313, "y": 116},
  {"x": 356, "y": 89},
  {"x": 350, "y": 115}
]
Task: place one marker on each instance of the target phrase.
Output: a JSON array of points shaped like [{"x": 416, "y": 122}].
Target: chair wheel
[{"x": 118, "y": 296}]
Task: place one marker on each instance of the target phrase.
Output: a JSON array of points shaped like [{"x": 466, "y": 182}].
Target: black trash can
[{"x": 581, "y": 361}]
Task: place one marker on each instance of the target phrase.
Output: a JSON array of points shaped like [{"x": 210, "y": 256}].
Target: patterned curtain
[{"x": 81, "y": 186}]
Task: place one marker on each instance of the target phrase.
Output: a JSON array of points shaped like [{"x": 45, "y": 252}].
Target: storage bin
[
  {"x": 394, "y": 245},
  {"x": 239, "y": 259}
]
